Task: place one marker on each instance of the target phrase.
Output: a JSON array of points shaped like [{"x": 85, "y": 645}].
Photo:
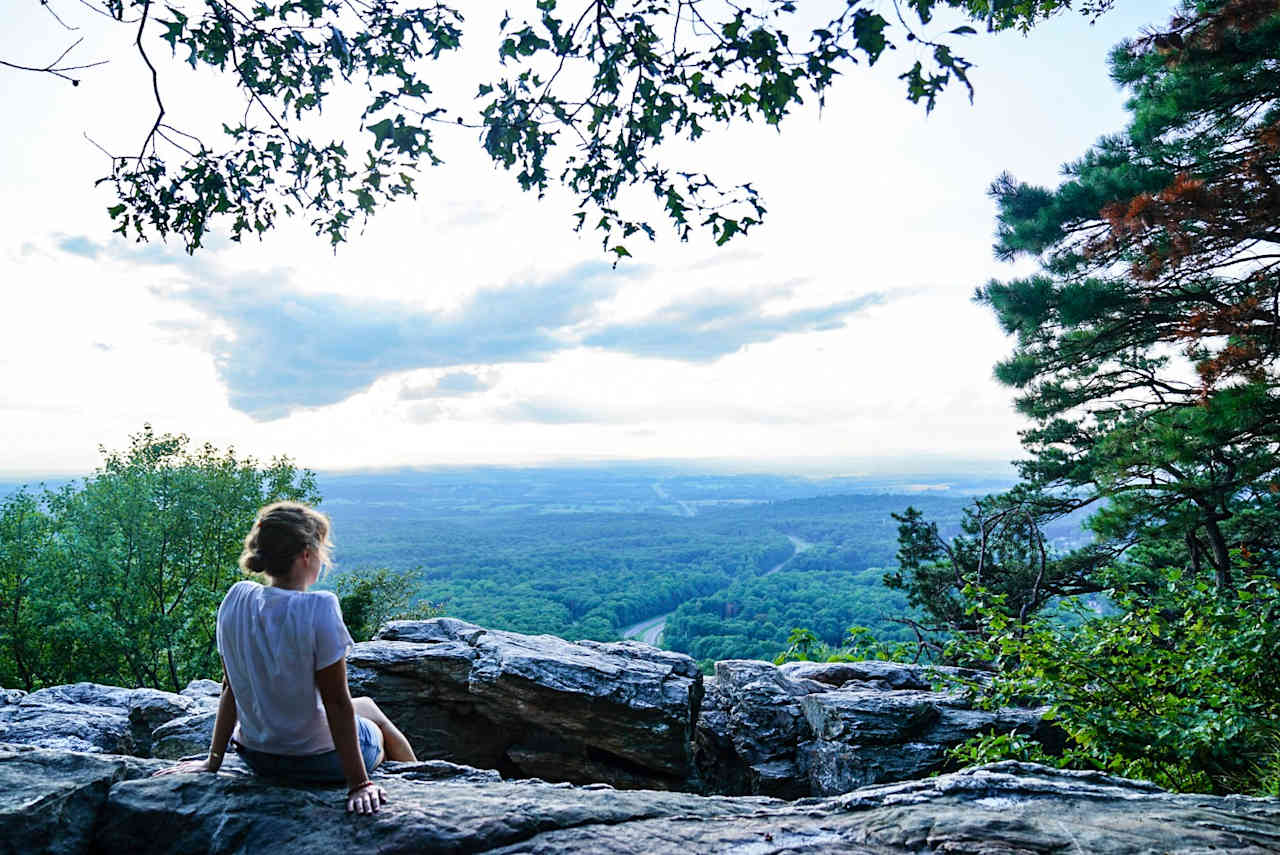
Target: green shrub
[
  {"x": 370, "y": 598},
  {"x": 1177, "y": 687}
]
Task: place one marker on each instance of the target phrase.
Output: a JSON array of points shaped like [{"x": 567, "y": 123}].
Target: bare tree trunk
[
  {"x": 173, "y": 670},
  {"x": 1221, "y": 558}
]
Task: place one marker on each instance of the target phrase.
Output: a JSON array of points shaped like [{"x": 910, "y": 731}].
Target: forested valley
[
  {"x": 735, "y": 560},
  {"x": 533, "y": 551}
]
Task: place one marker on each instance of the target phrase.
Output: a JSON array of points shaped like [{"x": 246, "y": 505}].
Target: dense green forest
[
  {"x": 590, "y": 574},
  {"x": 831, "y": 587},
  {"x": 574, "y": 575},
  {"x": 752, "y": 618}
]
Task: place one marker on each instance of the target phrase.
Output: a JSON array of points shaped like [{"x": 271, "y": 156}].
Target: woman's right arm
[
  {"x": 223, "y": 725},
  {"x": 363, "y": 796}
]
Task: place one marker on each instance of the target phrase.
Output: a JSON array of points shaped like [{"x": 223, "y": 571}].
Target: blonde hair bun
[{"x": 282, "y": 532}]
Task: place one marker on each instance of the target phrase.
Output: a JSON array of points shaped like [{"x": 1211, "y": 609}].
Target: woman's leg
[{"x": 393, "y": 741}]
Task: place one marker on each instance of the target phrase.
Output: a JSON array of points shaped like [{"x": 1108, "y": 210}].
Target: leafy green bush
[
  {"x": 858, "y": 645},
  {"x": 370, "y": 598},
  {"x": 993, "y": 746},
  {"x": 1177, "y": 687}
]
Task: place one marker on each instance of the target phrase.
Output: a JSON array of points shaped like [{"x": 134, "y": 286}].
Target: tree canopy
[
  {"x": 116, "y": 579},
  {"x": 585, "y": 97},
  {"x": 1004, "y": 549},
  {"x": 1146, "y": 356}
]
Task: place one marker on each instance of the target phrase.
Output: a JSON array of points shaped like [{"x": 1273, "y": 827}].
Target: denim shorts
[{"x": 324, "y": 768}]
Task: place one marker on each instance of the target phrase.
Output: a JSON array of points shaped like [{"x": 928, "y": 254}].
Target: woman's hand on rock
[
  {"x": 367, "y": 799},
  {"x": 185, "y": 766}
]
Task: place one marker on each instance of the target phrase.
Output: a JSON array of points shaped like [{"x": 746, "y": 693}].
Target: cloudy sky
[{"x": 473, "y": 326}]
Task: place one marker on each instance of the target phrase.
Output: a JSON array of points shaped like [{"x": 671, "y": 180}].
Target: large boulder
[
  {"x": 814, "y": 729},
  {"x": 625, "y": 714},
  {"x": 61, "y": 802},
  {"x": 205, "y": 691},
  {"x": 535, "y": 706},
  {"x": 752, "y": 732},
  {"x": 184, "y": 736},
  {"x": 93, "y": 718},
  {"x": 189, "y": 734}
]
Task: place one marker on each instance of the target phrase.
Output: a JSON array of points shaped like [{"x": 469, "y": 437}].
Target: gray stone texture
[
  {"x": 91, "y": 717},
  {"x": 625, "y": 714},
  {"x": 50, "y": 800},
  {"x": 535, "y": 706},
  {"x": 70, "y": 803},
  {"x": 822, "y": 728}
]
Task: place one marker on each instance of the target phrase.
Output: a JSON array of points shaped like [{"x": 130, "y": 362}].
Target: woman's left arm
[
  {"x": 363, "y": 796},
  {"x": 223, "y": 725}
]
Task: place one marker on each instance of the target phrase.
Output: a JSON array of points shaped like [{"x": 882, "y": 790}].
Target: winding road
[
  {"x": 650, "y": 630},
  {"x": 686, "y": 509},
  {"x": 800, "y": 545}
]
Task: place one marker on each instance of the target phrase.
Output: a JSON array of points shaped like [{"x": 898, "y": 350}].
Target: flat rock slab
[
  {"x": 50, "y": 800},
  {"x": 882, "y": 675},
  {"x": 425, "y": 813},
  {"x": 535, "y": 706},
  {"x": 77, "y": 803},
  {"x": 1003, "y": 809}
]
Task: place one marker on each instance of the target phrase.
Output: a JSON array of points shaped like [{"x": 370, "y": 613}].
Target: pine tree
[{"x": 1147, "y": 345}]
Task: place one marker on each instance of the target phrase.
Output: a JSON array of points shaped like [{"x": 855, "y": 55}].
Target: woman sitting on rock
[{"x": 284, "y": 657}]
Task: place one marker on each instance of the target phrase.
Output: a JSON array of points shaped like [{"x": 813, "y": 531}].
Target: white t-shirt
[{"x": 272, "y": 642}]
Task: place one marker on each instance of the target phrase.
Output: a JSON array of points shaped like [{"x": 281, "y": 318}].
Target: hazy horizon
[{"x": 815, "y": 469}]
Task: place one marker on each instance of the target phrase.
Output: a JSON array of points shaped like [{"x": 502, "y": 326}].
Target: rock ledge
[{"x": 71, "y": 803}]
